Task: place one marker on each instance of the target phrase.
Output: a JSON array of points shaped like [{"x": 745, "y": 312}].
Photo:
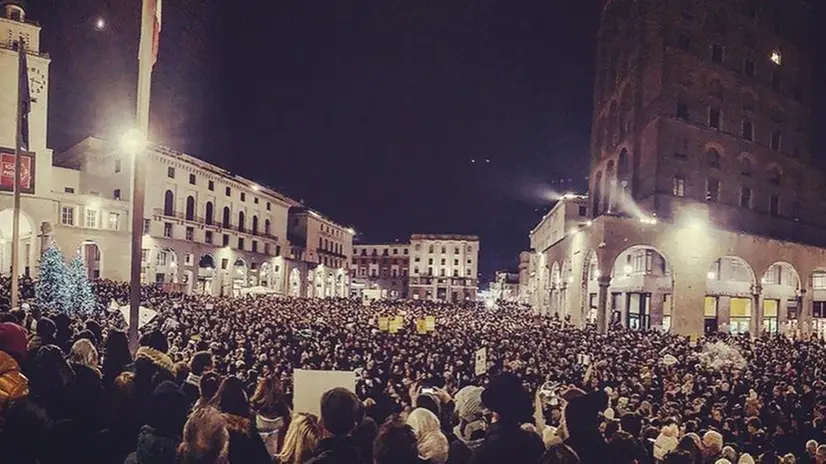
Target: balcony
[{"x": 217, "y": 225}]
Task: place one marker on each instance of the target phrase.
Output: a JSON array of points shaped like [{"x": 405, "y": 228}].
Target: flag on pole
[
  {"x": 151, "y": 33},
  {"x": 25, "y": 100}
]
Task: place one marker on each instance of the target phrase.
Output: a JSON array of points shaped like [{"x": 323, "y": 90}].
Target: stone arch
[
  {"x": 265, "y": 275},
  {"x": 241, "y": 220},
  {"x": 26, "y": 243},
  {"x": 206, "y": 274},
  {"x": 92, "y": 256},
  {"x": 208, "y": 213},
  {"x": 240, "y": 274},
  {"x": 641, "y": 289},
  {"x": 779, "y": 298},
  {"x": 190, "y": 208},
  {"x": 166, "y": 266},
  {"x": 589, "y": 279},
  {"x": 295, "y": 283},
  {"x": 255, "y": 224},
  {"x": 329, "y": 287},
  {"x": 168, "y": 203},
  {"x": 729, "y": 301}
]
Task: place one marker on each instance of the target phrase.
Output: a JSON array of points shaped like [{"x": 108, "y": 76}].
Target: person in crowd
[
  {"x": 365, "y": 434},
  {"x": 13, "y": 384},
  {"x": 116, "y": 356},
  {"x": 205, "y": 438},
  {"x": 396, "y": 443},
  {"x": 44, "y": 335},
  {"x": 469, "y": 433},
  {"x": 432, "y": 444},
  {"x": 272, "y": 415},
  {"x": 301, "y": 439},
  {"x": 505, "y": 440},
  {"x": 582, "y": 426},
  {"x": 208, "y": 386},
  {"x": 159, "y": 438},
  {"x": 560, "y": 454},
  {"x": 200, "y": 363},
  {"x": 245, "y": 444},
  {"x": 712, "y": 446},
  {"x": 666, "y": 441},
  {"x": 339, "y": 417}
]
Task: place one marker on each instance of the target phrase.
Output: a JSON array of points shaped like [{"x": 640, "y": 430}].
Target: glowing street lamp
[{"x": 133, "y": 141}]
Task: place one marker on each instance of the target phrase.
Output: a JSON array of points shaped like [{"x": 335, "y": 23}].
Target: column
[
  {"x": 550, "y": 306},
  {"x": 756, "y": 324},
  {"x": 804, "y": 324},
  {"x": 602, "y": 302}
]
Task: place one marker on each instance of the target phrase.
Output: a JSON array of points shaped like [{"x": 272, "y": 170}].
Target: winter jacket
[
  {"x": 153, "y": 448},
  {"x": 336, "y": 450},
  {"x": 245, "y": 444},
  {"x": 13, "y": 384},
  {"x": 509, "y": 443}
]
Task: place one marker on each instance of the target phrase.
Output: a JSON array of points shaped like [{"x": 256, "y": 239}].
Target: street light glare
[
  {"x": 133, "y": 141},
  {"x": 100, "y": 23}
]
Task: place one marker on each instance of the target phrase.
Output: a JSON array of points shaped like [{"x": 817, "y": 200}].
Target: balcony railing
[{"x": 215, "y": 224}]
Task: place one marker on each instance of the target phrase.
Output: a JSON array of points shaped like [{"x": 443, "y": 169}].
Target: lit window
[
  {"x": 161, "y": 258},
  {"x": 114, "y": 219},
  {"x": 170, "y": 172},
  {"x": 91, "y": 218},
  {"x": 777, "y": 58},
  {"x": 190, "y": 233},
  {"x": 67, "y": 216},
  {"x": 819, "y": 280},
  {"x": 167, "y": 229},
  {"x": 678, "y": 186}
]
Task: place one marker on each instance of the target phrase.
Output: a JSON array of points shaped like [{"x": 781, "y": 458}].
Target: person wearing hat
[
  {"x": 510, "y": 407},
  {"x": 469, "y": 434},
  {"x": 159, "y": 438},
  {"x": 582, "y": 420}
]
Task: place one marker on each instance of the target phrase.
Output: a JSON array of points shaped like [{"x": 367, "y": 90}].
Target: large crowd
[{"x": 212, "y": 382}]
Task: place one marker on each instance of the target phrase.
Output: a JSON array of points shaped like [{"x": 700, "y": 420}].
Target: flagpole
[
  {"x": 145, "y": 63},
  {"x": 15, "y": 227}
]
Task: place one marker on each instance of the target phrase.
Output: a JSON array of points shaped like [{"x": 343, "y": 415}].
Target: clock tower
[{"x": 14, "y": 25}]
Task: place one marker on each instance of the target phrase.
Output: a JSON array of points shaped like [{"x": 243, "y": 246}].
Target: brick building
[{"x": 705, "y": 203}]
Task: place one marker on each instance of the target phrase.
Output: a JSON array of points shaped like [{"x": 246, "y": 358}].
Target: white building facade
[
  {"x": 380, "y": 271},
  {"x": 444, "y": 267}
]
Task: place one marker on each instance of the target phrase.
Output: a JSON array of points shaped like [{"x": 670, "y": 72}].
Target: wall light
[{"x": 711, "y": 275}]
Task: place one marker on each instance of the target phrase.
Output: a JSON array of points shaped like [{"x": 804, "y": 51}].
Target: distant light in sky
[{"x": 100, "y": 23}]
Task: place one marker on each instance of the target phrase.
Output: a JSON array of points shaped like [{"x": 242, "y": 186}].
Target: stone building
[
  {"x": 704, "y": 201},
  {"x": 444, "y": 267},
  {"x": 380, "y": 271},
  {"x": 206, "y": 230}
]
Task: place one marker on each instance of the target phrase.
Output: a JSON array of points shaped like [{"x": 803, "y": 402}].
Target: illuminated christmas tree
[{"x": 51, "y": 290}]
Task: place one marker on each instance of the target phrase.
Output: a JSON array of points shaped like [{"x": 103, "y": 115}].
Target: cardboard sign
[
  {"x": 692, "y": 340},
  {"x": 384, "y": 323},
  {"x": 430, "y": 323},
  {"x": 396, "y": 324},
  {"x": 421, "y": 326},
  {"x": 145, "y": 315},
  {"x": 481, "y": 361},
  {"x": 309, "y": 386}
]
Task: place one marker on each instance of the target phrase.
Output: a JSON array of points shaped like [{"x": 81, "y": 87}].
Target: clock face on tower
[{"x": 37, "y": 81}]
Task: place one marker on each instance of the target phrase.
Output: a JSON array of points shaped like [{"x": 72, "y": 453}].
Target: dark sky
[{"x": 370, "y": 111}]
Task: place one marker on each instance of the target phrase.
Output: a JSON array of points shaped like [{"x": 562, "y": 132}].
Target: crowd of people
[{"x": 212, "y": 382}]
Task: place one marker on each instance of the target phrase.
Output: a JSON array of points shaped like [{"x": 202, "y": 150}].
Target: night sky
[{"x": 369, "y": 111}]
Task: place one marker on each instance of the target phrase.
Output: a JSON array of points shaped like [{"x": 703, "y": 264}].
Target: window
[
  {"x": 430, "y": 249},
  {"x": 682, "y": 110},
  {"x": 776, "y": 81},
  {"x": 774, "y": 176},
  {"x": 117, "y": 166},
  {"x": 745, "y": 197},
  {"x": 91, "y": 218},
  {"x": 224, "y": 263},
  {"x": 190, "y": 233},
  {"x": 714, "y": 158},
  {"x": 192, "y": 179},
  {"x": 748, "y": 131},
  {"x": 714, "y": 118},
  {"x": 144, "y": 254},
  {"x": 819, "y": 282},
  {"x": 678, "y": 186},
  {"x": 67, "y": 215},
  {"x": 162, "y": 258},
  {"x": 255, "y": 246},
  {"x": 716, "y": 53},
  {"x": 583, "y": 211},
  {"x": 444, "y": 250},
  {"x": 713, "y": 190},
  {"x": 68, "y": 190},
  {"x": 777, "y": 58},
  {"x": 170, "y": 172},
  {"x": 225, "y": 240},
  {"x": 774, "y": 205},
  {"x": 748, "y": 67},
  {"x": 455, "y": 262},
  {"x": 208, "y": 237},
  {"x": 430, "y": 261},
  {"x": 405, "y": 251},
  {"x": 443, "y": 261},
  {"x": 168, "y": 203},
  {"x": 442, "y": 272},
  {"x": 684, "y": 40},
  {"x": 114, "y": 219},
  {"x": 776, "y": 140},
  {"x": 116, "y": 194},
  {"x": 269, "y": 206},
  {"x": 146, "y": 225},
  {"x": 278, "y": 250},
  {"x": 745, "y": 166},
  {"x": 211, "y": 185},
  {"x": 240, "y": 243},
  {"x": 228, "y": 191},
  {"x": 681, "y": 148},
  {"x": 467, "y": 272},
  {"x": 430, "y": 271},
  {"x": 167, "y": 229},
  {"x": 243, "y": 196},
  {"x": 818, "y": 308}
]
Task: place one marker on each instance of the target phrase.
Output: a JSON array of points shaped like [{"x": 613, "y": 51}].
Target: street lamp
[{"x": 134, "y": 143}]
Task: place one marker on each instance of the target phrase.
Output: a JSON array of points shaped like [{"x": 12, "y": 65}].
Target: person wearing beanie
[
  {"x": 13, "y": 341},
  {"x": 582, "y": 420},
  {"x": 159, "y": 438},
  {"x": 44, "y": 334},
  {"x": 745, "y": 458},
  {"x": 469, "y": 433},
  {"x": 666, "y": 441},
  {"x": 200, "y": 363},
  {"x": 505, "y": 440}
]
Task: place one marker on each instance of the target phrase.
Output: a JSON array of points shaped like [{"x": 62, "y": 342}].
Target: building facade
[
  {"x": 505, "y": 286},
  {"x": 444, "y": 267},
  {"x": 380, "y": 271},
  {"x": 205, "y": 229},
  {"x": 704, "y": 201}
]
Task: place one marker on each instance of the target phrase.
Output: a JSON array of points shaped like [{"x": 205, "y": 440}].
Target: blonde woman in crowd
[
  {"x": 433, "y": 445},
  {"x": 302, "y": 438}
]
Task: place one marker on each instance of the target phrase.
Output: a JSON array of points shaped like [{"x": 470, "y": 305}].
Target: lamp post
[{"x": 134, "y": 143}]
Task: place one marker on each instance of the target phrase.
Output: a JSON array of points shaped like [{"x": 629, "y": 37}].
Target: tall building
[
  {"x": 438, "y": 267},
  {"x": 704, "y": 200},
  {"x": 206, "y": 230}
]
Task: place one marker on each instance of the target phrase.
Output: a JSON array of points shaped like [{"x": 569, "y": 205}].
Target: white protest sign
[
  {"x": 309, "y": 386},
  {"x": 209, "y": 306},
  {"x": 145, "y": 315},
  {"x": 481, "y": 361}
]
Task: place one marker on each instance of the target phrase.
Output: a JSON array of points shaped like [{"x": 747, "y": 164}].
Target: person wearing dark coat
[
  {"x": 505, "y": 440},
  {"x": 159, "y": 438},
  {"x": 245, "y": 443},
  {"x": 200, "y": 363},
  {"x": 339, "y": 416},
  {"x": 582, "y": 424}
]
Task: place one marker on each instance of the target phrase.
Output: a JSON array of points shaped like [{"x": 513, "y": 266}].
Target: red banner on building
[{"x": 7, "y": 171}]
